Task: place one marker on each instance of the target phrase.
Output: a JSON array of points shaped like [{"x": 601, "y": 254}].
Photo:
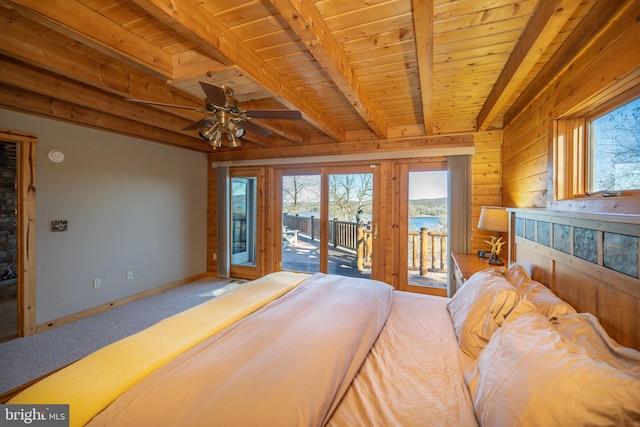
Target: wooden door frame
[
  {"x": 257, "y": 270},
  {"x": 26, "y": 224},
  {"x": 377, "y": 268}
]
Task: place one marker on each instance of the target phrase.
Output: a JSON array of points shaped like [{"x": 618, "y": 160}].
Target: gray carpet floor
[{"x": 25, "y": 359}]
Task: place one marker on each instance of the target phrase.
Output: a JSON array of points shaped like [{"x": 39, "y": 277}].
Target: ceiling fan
[{"x": 226, "y": 119}]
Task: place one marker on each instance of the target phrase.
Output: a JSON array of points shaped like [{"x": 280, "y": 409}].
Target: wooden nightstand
[{"x": 465, "y": 265}]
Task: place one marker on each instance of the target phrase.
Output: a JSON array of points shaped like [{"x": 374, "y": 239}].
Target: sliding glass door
[{"x": 329, "y": 221}]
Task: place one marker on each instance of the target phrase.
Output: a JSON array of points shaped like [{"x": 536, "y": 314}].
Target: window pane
[
  {"x": 615, "y": 154},
  {"x": 351, "y": 227},
  {"x": 243, "y": 221},
  {"x": 301, "y": 223}
]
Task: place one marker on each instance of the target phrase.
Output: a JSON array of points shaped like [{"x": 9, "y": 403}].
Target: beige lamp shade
[{"x": 494, "y": 218}]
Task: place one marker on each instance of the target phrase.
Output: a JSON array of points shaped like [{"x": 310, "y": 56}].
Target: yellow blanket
[{"x": 92, "y": 383}]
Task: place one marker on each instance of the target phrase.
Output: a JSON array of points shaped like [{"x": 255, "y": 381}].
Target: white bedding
[
  {"x": 353, "y": 353},
  {"x": 414, "y": 374},
  {"x": 288, "y": 364},
  {"x": 307, "y": 358}
]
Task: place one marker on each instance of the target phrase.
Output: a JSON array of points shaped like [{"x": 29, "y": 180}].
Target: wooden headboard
[{"x": 589, "y": 260}]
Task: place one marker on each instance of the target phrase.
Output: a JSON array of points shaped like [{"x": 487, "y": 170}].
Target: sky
[
  {"x": 427, "y": 185},
  {"x": 422, "y": 185}
]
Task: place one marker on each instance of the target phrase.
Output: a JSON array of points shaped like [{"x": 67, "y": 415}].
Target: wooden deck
[{"x": 305, "y": 256}]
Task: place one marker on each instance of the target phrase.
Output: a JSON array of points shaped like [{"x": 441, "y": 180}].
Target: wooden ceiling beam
[
  {"x": 305, "y": 19},
  {"x": 423, "y": 23},
  {"x": 35, "y": 49},
  {"x": 601, "y": 18},
  {"x": 42, "y": 53},
  {"x": 34, "y": 80},
  {"x": 357, "y": 147},
  {"x": 17, "y": 99},
  {"x": 79, "y": 22},
  {"x": 195, "y": 23},
  {"x": 548, "y": 20}
]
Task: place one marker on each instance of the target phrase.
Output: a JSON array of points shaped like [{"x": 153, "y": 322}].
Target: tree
[
  {"x": 349, "y": 193},
  {"x": 293, "y": 188},
  {"x": 616, "y": 149}
]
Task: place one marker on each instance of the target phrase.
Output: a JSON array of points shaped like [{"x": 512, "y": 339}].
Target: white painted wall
[{"x": 131, "y": 205}]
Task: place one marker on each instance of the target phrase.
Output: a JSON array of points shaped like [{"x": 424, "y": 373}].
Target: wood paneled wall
[
  {"x": 599, "y": 61},
  {"x": 485, "y": 182}
]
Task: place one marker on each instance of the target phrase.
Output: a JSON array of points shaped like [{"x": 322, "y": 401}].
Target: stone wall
[{"x": 8, "y": 217}]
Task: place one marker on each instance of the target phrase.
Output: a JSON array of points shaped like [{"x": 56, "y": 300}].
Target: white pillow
[
  {"x": 584, "y": 330},
  {"x": 518, "y": 276},
  {"x": 542, "y": 297},
  {"x": 479, "y": 308},
  {"x": 529, "y": 374}
]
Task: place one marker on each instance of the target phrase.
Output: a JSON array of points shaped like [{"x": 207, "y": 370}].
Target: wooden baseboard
[{"x": 108, "y": 306}]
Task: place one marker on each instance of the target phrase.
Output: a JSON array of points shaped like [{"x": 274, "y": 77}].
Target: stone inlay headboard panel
[
  {"x": 591, "y": 261},
  {"x": 581, "y": 238}
]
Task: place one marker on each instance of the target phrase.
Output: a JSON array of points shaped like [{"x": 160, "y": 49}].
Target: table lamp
[{"x": 494, "y": 218}]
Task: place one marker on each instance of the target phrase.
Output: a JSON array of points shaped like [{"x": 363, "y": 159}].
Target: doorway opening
[{"x": 8, "y": 242}]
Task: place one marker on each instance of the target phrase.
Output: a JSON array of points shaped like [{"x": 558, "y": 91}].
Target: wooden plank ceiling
[{"x": 364, "y": 75}]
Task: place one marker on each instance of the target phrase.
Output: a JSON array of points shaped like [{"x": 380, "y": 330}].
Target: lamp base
[{"x": 495, "y": 261}]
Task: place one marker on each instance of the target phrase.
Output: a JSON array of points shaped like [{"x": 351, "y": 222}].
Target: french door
[{"x": 330, "y": 220}]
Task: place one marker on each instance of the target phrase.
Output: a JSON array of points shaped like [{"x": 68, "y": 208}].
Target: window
[
  {"x": 596, "y": 155},
  {"x": 615, "y": 149}
]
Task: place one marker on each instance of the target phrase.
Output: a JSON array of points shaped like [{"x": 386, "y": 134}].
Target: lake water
[
  {"x": 430, "y": 222},
  {"x": 415, "y": 222}
]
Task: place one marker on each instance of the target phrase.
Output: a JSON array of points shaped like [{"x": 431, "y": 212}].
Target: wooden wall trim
[
  {"x": 117, "y": 303},
  {"x": 26, "y": 201}
]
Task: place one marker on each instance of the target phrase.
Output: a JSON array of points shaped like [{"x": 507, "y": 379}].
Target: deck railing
[{"x": 427, "y": 249}]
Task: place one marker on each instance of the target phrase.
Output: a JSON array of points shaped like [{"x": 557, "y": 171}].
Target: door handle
[{"x": 375, "y": 230}]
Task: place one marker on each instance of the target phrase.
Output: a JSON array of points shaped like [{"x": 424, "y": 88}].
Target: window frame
[{"x": 571, "y": 149}]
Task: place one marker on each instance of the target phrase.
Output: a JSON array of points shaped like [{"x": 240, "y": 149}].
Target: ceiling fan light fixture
[
  {"x": 208, "y": 133},
  {"x": 233, "y": 140},
  {"x": 235, "y": 129},
  {"x": 225, "y": 115}
]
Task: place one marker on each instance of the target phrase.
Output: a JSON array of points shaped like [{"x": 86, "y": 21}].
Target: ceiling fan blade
[
  {"x": 252, "y": 127},
  {"x": 162, "y": 104},
  {"x": 200, "y": 123},
  {"x": 274, "y": 114},
  {"x": 215, "y": 93}
]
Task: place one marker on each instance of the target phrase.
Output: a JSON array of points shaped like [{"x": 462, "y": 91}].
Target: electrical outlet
[
  {"x": 129, "y": 275},
  {"x": 96, "y": 283}
]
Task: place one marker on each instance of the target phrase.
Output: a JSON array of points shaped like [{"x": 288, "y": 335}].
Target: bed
[{"x": 299, "y": 349}]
